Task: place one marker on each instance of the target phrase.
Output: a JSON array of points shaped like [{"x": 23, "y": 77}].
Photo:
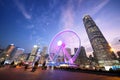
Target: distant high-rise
[
  {"x": 43, "y": 54},
  {"x": 17, "y": 52},
  {"x": 101, "y": 48},
  {"x": 8, "y": 51},
  {"x": 44, "y": 51},
  {"x": 81, "y": 58},
  {"x": 22, "y": 57},
  {"x": 33, "y": 53},
  {"x": 13, "y": 53}
]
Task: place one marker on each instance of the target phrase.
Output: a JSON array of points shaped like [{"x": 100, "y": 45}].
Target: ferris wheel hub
[{"x": 59, "y": 43}]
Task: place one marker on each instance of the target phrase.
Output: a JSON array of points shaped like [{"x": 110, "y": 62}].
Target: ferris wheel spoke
[
  {"x": 57, "y": 54},
  {"x": 66, "y": 54}
]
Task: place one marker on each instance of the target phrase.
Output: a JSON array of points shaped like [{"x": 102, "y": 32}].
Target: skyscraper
[
  {"x": 33, "y": 53},
  {"x": 43, "y": 54},
  {"x": 17, "y": 52},
  {"x": 81, "y": 58},
  {"x": 22, "y": 57},
  {"x": 101, "y": 48},
  {"x": 8, "y": 51}
]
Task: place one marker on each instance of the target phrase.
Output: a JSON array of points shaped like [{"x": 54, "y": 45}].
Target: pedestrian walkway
[{"x": 39, "y": 74}]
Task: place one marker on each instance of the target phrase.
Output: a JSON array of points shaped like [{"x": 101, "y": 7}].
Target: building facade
[
  {"x": 43, "y": 55},
  {"x": 82, "y": 57},
  {"x": 8, "y": 52},
  {"x": 17, "y": 52},
  {"x": 101, "y": 48},
  {"x": 22, "y": 57},
  {"x": 33, "y": 53}
]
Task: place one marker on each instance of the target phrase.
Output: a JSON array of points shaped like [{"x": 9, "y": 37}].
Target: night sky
[{"x": 29, "y": 22}]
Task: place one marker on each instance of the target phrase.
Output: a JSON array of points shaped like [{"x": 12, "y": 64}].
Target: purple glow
[
  {"x": 66, "y": 54},
  {"x": 63, "y": 44},
  {"x": 58, "y": 44}
]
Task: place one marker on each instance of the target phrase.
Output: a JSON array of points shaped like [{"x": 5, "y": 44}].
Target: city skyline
[{"x": 29, "y": 23}]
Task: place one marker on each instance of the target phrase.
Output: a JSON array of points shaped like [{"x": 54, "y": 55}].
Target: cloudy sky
[{"x": 29, "y": 22}]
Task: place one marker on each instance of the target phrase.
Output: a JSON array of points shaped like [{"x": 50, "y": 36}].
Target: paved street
[{"x": 20, "y": 74}]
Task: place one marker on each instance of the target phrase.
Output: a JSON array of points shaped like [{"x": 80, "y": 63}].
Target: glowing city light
[
  {"x": 7, "y": 55},
  {"x": 109, "y": 44},
  {"x": 35, "y": 46},
  {"x": 107, "y": 68},
  {"x": 111, "y": 49},
  {"x": 11, "y": 44},
  {"x": 59, "y": 43}
]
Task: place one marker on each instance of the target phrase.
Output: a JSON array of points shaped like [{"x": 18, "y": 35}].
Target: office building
[
  {"x": 101, "y": 48},
  {"x": 33, "y": 53},
  {"x": 82, "y": 57},
  {"x": 8, "y": 52},
  {"x": 17, "y": 53}
]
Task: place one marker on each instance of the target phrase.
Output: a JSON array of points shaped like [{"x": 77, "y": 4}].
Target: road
[{"x": 20, "y": 74}]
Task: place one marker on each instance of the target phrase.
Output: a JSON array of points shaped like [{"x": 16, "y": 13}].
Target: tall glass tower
[
  {"x": 102, "y": 50},
  {"x": 33, "y": 54},
  {"x": 8, "y": 52}
]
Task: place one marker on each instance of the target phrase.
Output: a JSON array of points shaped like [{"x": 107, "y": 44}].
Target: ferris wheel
[{"x": 64, "y": 47}]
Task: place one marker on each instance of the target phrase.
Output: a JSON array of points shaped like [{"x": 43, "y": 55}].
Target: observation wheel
[{"x": 64, "y": 47}]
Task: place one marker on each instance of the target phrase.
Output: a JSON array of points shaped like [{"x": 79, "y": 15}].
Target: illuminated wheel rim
[{"x": 62, "y": 41}]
